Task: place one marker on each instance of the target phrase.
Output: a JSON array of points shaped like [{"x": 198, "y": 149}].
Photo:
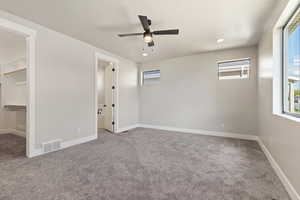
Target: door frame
[
  {"x": 107, "y": 58},
  {"x": 30, "y": 36}
]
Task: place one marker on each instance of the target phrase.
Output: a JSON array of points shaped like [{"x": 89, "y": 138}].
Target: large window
[
  {"x": 291, "y": 65},
  {"x": 235, "y": 69}
]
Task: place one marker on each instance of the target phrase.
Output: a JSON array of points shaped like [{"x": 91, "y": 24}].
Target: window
[
  {"x": 291, "y": 65},
  {"x": 235, "y": 69},
  {"x": 152, "y": 76}
]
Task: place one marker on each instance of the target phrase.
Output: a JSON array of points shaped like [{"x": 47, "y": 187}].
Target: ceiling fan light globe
[{"x": 148, "y": 38}]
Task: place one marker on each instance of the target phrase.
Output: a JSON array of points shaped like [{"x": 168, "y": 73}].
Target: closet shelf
[
  {"x": 21, "y": 83},
  {"x": 15, "y": 107},
  {"x": 14, "y": 71}
]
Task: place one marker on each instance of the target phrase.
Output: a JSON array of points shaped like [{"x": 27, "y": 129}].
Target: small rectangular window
[
  {"x": 291, "y": 65},
  {"x": 152, "y": 76},
  {"x": 235, "y": 69}
]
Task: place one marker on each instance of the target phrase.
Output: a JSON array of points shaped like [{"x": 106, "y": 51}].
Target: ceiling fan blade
[
  {"x": 151, "y": 44},
  {"x": 144, "y": 22},
  {"x": 167, "y": 32},
  {"x": 130, "y": 34}
]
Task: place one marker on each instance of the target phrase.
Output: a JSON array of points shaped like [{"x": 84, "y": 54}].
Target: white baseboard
[
  {"x": 70, "y": 143},
  {"x": 19, "y": 133},
  {"x": 285, "y": 181},
  {"x": 66, "y": 144},
  {"x": 36, "y": 152},
  {"x": 127, "y": 128},
  {"x": 201, "y": 132},
  {"x": 4, "y": 131},
  {"x": 13, "y": 131}
]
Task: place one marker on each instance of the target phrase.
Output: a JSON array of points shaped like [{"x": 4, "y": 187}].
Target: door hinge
[
  {"x": 113, "y": 69},
  {"x": 113, "y": 105},
  {"x": 113, "y": 123},
  {"x": 113, "y": 87}
]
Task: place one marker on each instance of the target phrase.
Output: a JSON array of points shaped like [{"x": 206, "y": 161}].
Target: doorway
[
  {"x": 17, "y": 89},
  {"x": 106, "y": 95}
]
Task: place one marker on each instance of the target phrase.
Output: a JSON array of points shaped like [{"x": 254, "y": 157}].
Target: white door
[{"x": 109, "y": 100}]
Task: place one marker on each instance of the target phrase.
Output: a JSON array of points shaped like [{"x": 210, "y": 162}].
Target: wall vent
[{"x": 51, "y": 146}]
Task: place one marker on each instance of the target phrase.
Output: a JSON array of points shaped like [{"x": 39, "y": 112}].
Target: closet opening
[
  {"x": 13, "y": 94},
  {"x": 106, "y": 95},
  {"x": 17, "y": 46}
]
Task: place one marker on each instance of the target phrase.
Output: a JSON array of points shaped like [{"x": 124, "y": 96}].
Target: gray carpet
[
  {"x": 11, "y": 147},
  {"x": 142, "y": 164}
]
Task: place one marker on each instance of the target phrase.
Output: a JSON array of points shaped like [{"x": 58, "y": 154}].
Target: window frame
[
  {"x": 235, "y": 60},
  {"x": 284, "y": 63},
  {"x": 143, "y": 72}
]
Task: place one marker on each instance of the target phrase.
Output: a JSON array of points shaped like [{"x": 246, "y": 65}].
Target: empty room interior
[{"x": 150, "y": 100}]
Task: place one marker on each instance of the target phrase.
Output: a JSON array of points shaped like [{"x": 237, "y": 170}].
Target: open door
[{"x": 109, "y": 100}]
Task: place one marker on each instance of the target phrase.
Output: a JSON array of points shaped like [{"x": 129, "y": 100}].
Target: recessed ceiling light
[
  {"x": 145, "y": 54},
  {"x": 220, "y": 40}
]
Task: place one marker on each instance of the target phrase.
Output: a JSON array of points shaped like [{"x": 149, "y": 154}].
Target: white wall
[
  {"x": 128, "y": 94},
  {"x": 190, "y": 95},
  {"x": 280, "y": 135},
  {"x": 65, "y": 95}
]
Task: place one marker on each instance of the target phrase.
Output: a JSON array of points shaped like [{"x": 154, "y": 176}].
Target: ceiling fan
[{"x": 148, "y": 35}]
